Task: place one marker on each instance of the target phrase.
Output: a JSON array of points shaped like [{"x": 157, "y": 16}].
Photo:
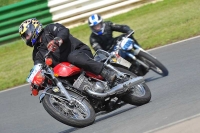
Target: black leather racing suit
[
  {"x": 106, "y": 40},
  {"x": 72, "y": 49}
]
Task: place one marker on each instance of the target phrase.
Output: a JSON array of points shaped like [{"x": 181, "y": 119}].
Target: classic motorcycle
[
  {"x": 141, "y": 60},
  {"x": 74, "y": 96}
]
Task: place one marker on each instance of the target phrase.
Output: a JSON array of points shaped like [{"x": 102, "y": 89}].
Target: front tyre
[
  {"x": 139, "y": 94},
  {"x": 81, "y": 114},
  {"x": 154, "y": 64}
]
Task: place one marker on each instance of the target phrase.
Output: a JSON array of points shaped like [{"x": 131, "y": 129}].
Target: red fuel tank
[{"x": 66, "y": 69}]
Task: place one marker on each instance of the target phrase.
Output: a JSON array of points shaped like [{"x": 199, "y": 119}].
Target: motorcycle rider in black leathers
[
  {"x": 65, "y": 47},
  {"x": 102, "y": 37}
]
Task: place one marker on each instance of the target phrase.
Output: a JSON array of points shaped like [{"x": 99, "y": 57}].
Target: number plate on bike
[
  {"x": 123, "y": 62},
  {"x": 33, "y": 72}
]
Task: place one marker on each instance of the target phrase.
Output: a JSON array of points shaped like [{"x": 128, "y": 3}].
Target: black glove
[
  {"x": 54, "y": 44},
  {"x": 58, "y": 41},
  {"x": 130, "y": 31}
]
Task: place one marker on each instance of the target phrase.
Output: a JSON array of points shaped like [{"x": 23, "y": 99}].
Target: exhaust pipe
[{"x": 120, "y": 88}]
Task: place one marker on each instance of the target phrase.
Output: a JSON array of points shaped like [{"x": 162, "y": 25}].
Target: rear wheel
[
  {"x": 78, "y": 114},
  {"x": 139, "y": 94}
]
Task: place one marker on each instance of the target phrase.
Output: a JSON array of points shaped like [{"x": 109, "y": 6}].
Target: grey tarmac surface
[{"x": 175, "y": 101}]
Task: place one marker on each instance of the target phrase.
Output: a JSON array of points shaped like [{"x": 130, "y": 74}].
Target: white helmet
[{"x": 96, "y": 24}]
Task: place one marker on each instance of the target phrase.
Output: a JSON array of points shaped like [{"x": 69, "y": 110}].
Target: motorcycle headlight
[
  {"x": 127, "y": 44},
  {"x": 38, "y": 79},
  {"x": 36, "y": 76}
]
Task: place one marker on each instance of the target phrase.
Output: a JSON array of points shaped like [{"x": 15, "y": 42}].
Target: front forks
[
  {"x": 62, "y": 90},
  {"x": 135, "y": 59},
  {"x": 59, "y": 85}
]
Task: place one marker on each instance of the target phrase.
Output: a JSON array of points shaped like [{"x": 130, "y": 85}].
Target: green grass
[
  {"x": 154, "y": 24},
  {"x": 15, "y": 63},
  {"x": 7, "y": 2}
]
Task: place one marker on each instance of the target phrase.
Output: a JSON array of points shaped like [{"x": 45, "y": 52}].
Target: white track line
[
  {"x": 147, "y": 50},
  {"x": 13, "y": 88},
  {"x": 174, "y": 43},
  {"x": 173, "y": 123}
]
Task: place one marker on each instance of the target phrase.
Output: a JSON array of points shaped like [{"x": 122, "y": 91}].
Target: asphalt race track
[{"x": 174, "y": 98}]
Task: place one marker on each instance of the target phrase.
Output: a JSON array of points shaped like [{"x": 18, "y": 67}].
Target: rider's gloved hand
[
  {"x": 54, "y": 44},
  {"x": 130, "y": 31}
]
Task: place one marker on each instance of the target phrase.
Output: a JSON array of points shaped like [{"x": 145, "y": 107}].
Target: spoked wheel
[
  {"x": 139, "y": 94},
  {"x": 138, "y": 90},
  {"x": 77, "y": 114},
  {"x": 154, "y": 64}
]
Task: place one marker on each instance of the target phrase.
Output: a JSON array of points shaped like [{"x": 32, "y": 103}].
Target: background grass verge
[
  {"x": 7, "y": 2},
  {"x": 154, "y": 24}
]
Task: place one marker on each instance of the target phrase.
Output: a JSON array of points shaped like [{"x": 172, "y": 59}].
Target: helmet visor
[
  {"x": 97, "y": 27},
  {"x": 27, "y": 35}
]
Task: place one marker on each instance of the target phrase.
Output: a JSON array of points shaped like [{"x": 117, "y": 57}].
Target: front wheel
[
  {"x": 78, "y": 114},
  {"x": 139, "y": 94},
  {"x": 153, "y": 63}
]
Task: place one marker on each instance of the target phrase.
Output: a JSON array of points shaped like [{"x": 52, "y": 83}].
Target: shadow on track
[
  {"x": 100, "y": 119},
  {"x": 152, "y": 79},
  {"x": 113, "y": 114}
]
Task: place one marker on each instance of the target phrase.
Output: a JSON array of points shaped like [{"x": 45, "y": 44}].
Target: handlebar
[
  {"x": 129, "y": 34},
  {"x": 47, "y": 54},
  {"x": 119, "y": 42}
]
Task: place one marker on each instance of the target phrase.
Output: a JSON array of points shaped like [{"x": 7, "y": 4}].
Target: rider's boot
[{"x": 109, "y": 75}]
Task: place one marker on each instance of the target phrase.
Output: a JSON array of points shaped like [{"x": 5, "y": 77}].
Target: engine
[{"x": 83, "y": 83}]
